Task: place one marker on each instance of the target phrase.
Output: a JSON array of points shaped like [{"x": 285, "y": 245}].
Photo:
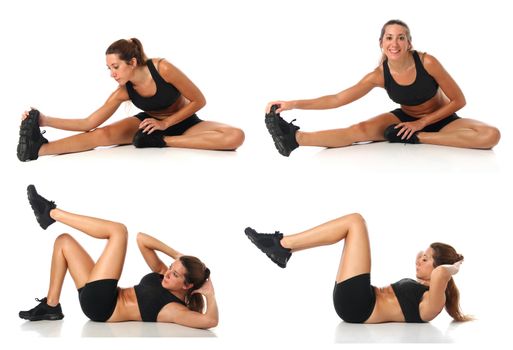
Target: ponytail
[
  {"x": 128, "y": 49},
  {"x": 197, "y": 274}
]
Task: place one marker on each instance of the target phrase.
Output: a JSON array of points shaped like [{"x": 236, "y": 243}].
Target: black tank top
[
  {"x": 152, "y": 297},
  {"x": 409, "y": 294},
  {"x": 166, "y": 94},
  {"x": 421, "y": 90}
]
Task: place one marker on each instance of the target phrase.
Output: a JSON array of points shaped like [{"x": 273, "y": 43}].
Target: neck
[
  {"x": 402, "y": 64},
  {"x": 140, "y": 75}
]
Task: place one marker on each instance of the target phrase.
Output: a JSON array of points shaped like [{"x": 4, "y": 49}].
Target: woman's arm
[
  {"x": 148, "y": 246},
  {"x": 363, "y": 87},
  {"x": 91, "y": 122},
  {"x": 434, "y": 300},
  {"x": 191, "y": 92},
  {"x": 179, "y": 314},
  {"x": 449, "y": 88}
]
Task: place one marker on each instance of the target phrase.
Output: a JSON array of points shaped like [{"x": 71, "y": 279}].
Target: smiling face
[
  {"x": 424, "y": 264},
  {"x": 120, "y": 70},
  {"x": 396, "y": 41},
  {"x": 174, "y": 278}
]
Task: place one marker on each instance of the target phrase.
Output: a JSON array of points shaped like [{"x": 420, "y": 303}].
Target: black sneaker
[
  {"x": 283, "y": 133},
  {"x": 391, "y": 135},
  {"x": 41, "y": 207},
  {"x": 269, "y": 243},
  {"x": 31, "y": 138},
  {"x": 145, "y": 140},
  {"x": 43, "y": 311}
]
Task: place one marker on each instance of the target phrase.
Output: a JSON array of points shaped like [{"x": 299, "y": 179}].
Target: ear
[
  {"x": 133, "y": 62},
  {"x": 187, "y": 286}
]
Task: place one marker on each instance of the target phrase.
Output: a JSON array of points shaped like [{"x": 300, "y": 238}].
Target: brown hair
[
  {"x": 445, "y": 254},
  {"x": 389, "y": 23},
  {"x": 128, "y": 49},
  {"x": 197, "y": 273}
]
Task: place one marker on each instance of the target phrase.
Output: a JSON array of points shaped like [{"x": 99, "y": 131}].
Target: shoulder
[
  {"x": 119, "y": 95},
  {"x": 164, "y": 67},
  {"x": 375, "y": 78},
  {"x": 429, "y": 61},
  {"x": 172, "y": 312}
]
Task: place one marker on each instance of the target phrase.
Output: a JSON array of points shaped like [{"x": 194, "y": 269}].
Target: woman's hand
[
  {"x": 206, "y": 289},
  {"x": 454, "y": 268},
  {"x": 283, "y": 106},
  {"x": 149, "y": 125},
  {"x": 42, "y": 117},
  {"x": 409, "y": 128}
]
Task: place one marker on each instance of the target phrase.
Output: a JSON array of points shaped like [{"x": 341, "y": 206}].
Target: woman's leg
[
  {"x": 369, "y": 130},
  {"x": 110, "y": 264},
  {"x": 465, "y": 133},
  {"x": 118, "y": 133},
  {"x": 68, "y": 255},
  {"x": 352, "y": 229},
  {"x": 208, "y": 135},
  {"x": 355, "y": 259}
]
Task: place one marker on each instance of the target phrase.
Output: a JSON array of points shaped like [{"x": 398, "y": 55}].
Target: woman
[
  {"x": 428, "y": 96},
  {"x": 167, "y": 97},
  {"x": 168, "y": 294},
  {"x": 355, "y": 299}
]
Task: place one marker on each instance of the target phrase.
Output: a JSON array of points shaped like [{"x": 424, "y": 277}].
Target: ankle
[
  {"x": 300, "y": 137},
  {"x": 285, "y": 243},
  {"x": 52, "y": 302}
]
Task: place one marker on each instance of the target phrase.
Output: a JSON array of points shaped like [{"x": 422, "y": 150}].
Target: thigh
[
  {"x": 122, "y": 132},
  {"x": 207, "y": 126},
  {"x": 465, "y": 124},
  {"x": 80, "y": 264},
  {"x": 356, "y": 254},
  {"x": 373, "y": 129}
]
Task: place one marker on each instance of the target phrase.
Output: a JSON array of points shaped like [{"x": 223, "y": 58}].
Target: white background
[{"x": 242, "y": 55}]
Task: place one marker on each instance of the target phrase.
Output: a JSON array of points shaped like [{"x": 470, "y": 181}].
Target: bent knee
[
  {"x": 120, "y": 230},
  {"x": 233, "y": 138},
  {"x": 490, "y": 136},
  {"x": 63, "y": 239},
  {"x": 356, "y": 218}
]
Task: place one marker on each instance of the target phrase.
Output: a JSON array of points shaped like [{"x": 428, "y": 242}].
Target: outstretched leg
[
  {"x": 369, "y": 130},
  {"x": 208, "y": 135},
  {"x": 465, "y": 133},
  {"x": 118, "y": 133}
]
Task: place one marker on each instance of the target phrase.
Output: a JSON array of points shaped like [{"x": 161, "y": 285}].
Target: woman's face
[
  {"x": 395, "y": 42},
  {"x": 119, "y": 69},
  {"x": 174, "y": 278},
  {"x": 424, "y": 264}
]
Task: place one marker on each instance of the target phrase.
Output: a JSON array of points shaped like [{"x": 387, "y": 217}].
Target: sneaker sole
[
  {"x": 26, "y": 130},
  {"x": 33, "y": 195},
  {"x": 271, "y": 123},
  {"x": 54, "y": 317}
]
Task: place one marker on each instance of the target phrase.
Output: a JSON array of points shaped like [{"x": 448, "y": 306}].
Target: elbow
[
  {"x": 213, "y": 322},
  {"x": 460, "y": 103}
]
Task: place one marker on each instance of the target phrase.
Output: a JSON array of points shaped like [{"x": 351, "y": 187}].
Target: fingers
[
  {"x": 281, "y": 106},
  {"x": 149, "y": 125},
  {"x": 405, "y": 130}
]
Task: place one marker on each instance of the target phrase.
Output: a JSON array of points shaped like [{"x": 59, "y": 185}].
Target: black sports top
[
  {"x": 166, "y": 94},
  {"x": 152, "y": 297},
  {"x": 421, "y": 90},
  {"x": 409, "y": 294}
]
